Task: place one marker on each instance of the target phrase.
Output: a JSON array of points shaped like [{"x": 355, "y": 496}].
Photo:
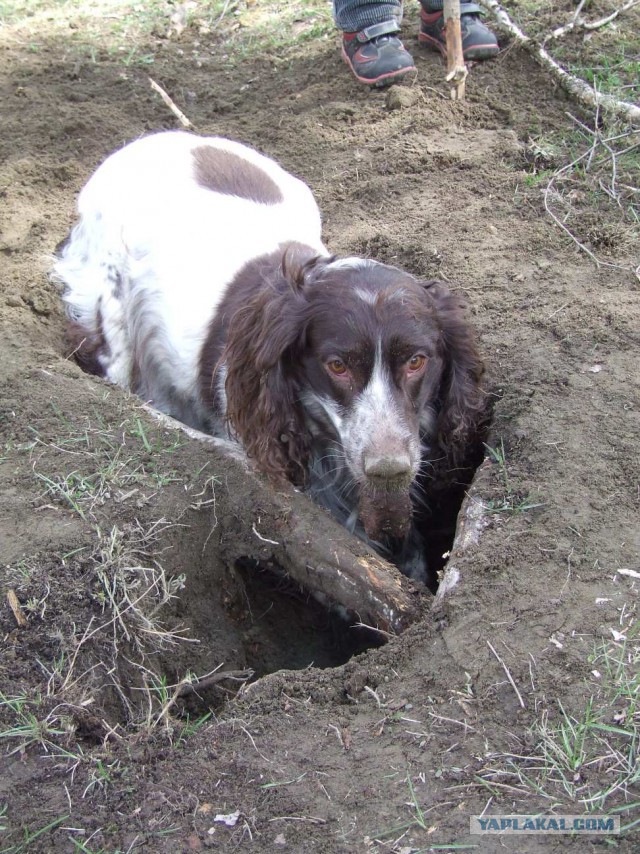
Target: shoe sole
[
  {"x": 383, "y": 79},
  {"x": 472, "y": 54}
]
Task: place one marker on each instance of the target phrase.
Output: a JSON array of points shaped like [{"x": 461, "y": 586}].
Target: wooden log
[
  {"x": 456, "y": 68},
  {"x": 279, "y": 526},
  {"x": 286, "y": 529}
]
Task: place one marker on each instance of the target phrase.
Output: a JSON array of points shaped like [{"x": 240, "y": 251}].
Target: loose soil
[{"x": 317, "y": 753}]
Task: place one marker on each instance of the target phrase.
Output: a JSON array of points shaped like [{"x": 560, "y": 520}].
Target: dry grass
[{"x": 586, "y": 760}]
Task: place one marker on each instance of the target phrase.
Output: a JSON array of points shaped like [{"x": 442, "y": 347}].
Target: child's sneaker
[
  {"x": 376, "y": 55},
  {"x": 478, "y": 41}
]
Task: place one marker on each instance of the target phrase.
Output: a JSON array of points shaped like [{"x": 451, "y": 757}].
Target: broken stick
[
  {"x": 177, "y": 112},
  {"x": 213, "y": 679},
  {"x": 456, "y": 69},
  {"x": 15, "y": 606}
]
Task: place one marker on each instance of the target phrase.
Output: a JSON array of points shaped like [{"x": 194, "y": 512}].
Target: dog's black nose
[{"x": 387, "y": 467}]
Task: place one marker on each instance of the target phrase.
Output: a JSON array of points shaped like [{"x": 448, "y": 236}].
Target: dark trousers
[{"x": 354, "y": 15}]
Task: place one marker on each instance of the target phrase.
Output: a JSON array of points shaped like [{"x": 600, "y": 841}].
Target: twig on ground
[
  {"x": 464, "y": 724},
  {"x": 509, "y": 676},
  {"x": 586, "y": 159},
  {"x": 177, "y": 112},
  {"x": 578, "y": 23},
  {"x": 342, "y": 735},
  {"x": 263, "y": 539},
  {"x": 222, "y": 14},
  {"x": 213, "y": 679},
  {"x": 602, "y": 22},
  {"x": 15, "y": 606},
  {"x": 360, "y": 625},
  {"x": 374, "y": 695},
  {"x": 576, "y": 87}
]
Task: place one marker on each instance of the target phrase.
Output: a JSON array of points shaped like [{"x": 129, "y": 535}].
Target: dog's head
[{"x": 360, "y": 359}]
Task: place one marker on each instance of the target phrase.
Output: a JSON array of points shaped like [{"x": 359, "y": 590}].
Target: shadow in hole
[
  {"x": 442, "y": 498},
  {"x": 287, "y": 628},
  {"x": 438, "y": 518}
]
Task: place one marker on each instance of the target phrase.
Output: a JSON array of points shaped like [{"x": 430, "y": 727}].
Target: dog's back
[{"x": 165, "y": 225}]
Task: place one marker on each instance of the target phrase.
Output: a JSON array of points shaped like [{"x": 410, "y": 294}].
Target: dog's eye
[
  {"x": 416, "y": 363},
  {"x": 337, "y": 367}
]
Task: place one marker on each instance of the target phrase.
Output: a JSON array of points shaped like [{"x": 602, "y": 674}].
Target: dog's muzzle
[
  {"x": 388, "y": 471},
  {"x": 385, "y": 500}
]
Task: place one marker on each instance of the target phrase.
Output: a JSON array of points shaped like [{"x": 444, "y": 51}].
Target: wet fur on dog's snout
[{"x": 197, "y": 278}]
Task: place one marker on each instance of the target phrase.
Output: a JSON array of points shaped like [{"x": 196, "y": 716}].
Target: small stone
[{"x": 400, "y": 97}]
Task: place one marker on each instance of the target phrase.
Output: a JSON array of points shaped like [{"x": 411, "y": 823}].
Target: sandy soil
[{"x": 315, "y": 758}]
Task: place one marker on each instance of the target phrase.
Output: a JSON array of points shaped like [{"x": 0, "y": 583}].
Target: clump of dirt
[{"x": 308, "y": 758}]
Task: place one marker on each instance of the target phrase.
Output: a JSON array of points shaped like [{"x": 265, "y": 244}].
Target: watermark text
[{"x": 601, "y": 824}]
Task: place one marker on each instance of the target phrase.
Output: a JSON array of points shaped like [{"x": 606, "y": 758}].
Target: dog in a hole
[{"x": 197, "y": 278}]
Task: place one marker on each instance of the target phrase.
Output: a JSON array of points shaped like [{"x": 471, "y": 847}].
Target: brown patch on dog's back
[{"x": 224, "y": 172}]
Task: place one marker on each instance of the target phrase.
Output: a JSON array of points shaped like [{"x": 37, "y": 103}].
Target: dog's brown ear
[
  {"x": 463, "y": 401},
  {"x": 264, "y": 340},
  {"x": 301, "y": 265}
]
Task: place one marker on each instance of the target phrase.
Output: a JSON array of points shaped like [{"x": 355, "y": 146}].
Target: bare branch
[
  {"x": 213, "y": 679},
  {"x": 509, "y": 676},
  {"x": 594, "y": 25},
  {"x": 576, "y": 87},
  {"x": 594, "y": 155},
  {"x": 578, "y": 23},
  {"x": 177, "y": 112}
]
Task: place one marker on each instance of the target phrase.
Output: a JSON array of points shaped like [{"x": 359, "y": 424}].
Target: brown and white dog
[{"x": 197, "y": 278}]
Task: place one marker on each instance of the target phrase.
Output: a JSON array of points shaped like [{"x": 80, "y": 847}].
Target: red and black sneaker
[
  {"x": 376, "y": 56},
  {"x": 478, "y": 41}
]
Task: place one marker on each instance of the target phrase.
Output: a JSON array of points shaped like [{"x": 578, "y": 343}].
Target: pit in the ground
[{"x": 250, "y": 615}]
